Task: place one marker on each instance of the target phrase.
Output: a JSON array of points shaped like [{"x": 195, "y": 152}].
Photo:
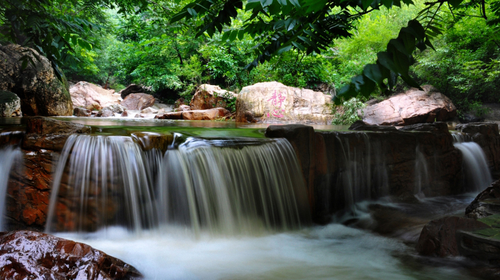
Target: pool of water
[{"x": 321, "y": 252}]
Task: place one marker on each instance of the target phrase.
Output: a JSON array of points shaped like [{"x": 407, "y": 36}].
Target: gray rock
[
  {"x": 10, "y": 104},
  {"x": 39, "y": 89}
]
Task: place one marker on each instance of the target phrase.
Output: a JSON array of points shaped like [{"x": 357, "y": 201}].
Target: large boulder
[
  {"x": 92, "y": 97},
  {"x": 35, "y": 255},
  {"x": 133, "y": 88},
  {"x": 413, "y": 106},
  {"x": 210, "y": 96},
  {"x": 273, "y": 102},
  {"x": 41, "y": 92},
  {"x": 10, "y": 105},
  {"x": 438, "y": 238},
  {"x": 138, "y": 101}
]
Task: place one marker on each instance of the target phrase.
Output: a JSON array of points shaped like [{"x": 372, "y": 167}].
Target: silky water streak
[
  {"x": 230, "y": 186},
  {"x": 9, "y": 156}
]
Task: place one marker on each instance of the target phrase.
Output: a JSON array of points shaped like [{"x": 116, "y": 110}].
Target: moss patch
[{"x": 7, "y": 97}]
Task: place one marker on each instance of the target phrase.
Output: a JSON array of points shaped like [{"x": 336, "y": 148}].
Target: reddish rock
[
  {"x": 413, "y": 106},
  {"x": 183, "y": 108},
  {"x": 35, "y": 255},
  {"x": 210, "y": 114},
  {"x": 170, "y": 116},
  {"x": 138, "y": 101},
  {"x": 438, "y": 238}
]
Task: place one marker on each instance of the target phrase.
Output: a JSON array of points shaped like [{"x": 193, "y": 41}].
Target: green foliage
[
  {"x": 347, "y": 113},
  {"x": 465, "y": 64}
]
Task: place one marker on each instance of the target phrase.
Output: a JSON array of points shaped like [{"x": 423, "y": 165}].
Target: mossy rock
[{"x": 8, "y": 97}]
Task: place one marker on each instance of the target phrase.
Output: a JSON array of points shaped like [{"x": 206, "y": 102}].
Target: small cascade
[
  {"x": 364, "y": 173},
  {"x": 476, "y": 170},
  {"x": 220, "y": 186},
  {"x": 422, "y": 178},
  {"x": 101, "y": 181},
  {"x": 9, "y": 156}
]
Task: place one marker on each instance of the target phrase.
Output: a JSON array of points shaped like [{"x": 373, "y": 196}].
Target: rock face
[
  {"x": 192, "y": 115},
  {"x": 39, "y": 89},
  {"x": 10, "y": 105},
  {"x": 138, "y": 101},
  {"x": 273, "y": 102},
  {"x": 413, "y": 106},
  {"x": 342, "y": 167},
  {"x": 35, "y": 255},
  {"x": 92, "y": 97},
  {"x": 209, "y": 96},
  {"x": 29, "y": 188},
  {"x": 438, "y": 238}
]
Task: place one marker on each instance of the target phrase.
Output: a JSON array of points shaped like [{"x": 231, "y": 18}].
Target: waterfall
[
  {"x": 364, "y": 173},
  {"x": 422, "y": 177},
  {"x": 476, "y": 170},
  {"x": 219, "y": 186},
  {"x": 8, "y": 156}
]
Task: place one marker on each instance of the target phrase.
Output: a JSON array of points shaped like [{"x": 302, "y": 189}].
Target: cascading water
[
  {"x": 222, "y": 186},
  {"x": 362, "y": 177},
  {"x": 476, "y": 171},
  {"x": 8, "y": 156}
]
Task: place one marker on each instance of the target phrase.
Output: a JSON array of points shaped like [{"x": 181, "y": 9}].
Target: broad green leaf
[
  {"x": 387, "y": 61},
  {"x": 373, "y": 72}
]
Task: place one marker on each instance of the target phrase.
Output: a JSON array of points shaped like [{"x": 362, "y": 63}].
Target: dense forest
[{"x": 174, "y": 46}]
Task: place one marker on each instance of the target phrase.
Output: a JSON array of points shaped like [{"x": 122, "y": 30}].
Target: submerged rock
[
  {"x": 35, "y": 255},
  {"x": 413, "y": 106}
]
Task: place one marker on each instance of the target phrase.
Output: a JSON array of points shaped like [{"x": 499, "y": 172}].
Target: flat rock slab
[
  {"x": 196, "y": 115},
  {"x": 35, "y": 255},
  {"x": 411, "y": 107}
]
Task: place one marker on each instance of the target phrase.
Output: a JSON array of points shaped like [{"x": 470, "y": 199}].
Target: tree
[
  {"x": 311, "y": 26},
  {"x": 55, "y": 27}
]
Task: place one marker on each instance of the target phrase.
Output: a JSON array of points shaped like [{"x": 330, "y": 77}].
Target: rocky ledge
[{"x": 35, "y": 255}]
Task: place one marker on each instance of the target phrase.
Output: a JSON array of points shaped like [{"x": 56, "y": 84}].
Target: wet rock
[
  {"x": 360, "y": 125},
  {"x": 116, "y": 108},
  {"x": 125, "y": 113},
  {"x": 133, "y": 88},
  {"x": 413, "y": 106},
  {"x": 149, "y": 110},
  {"x": 273, "y": 102},
  {"x": 486, "y": 203},
  {"x": 138, "y": 101},
  {"x": 150, "y": 140},
  {"x": 169, "y": 116},
  {"x": 91, "y": 96},
  {"x": 82, "y": 112},
  {"x": 10, "y": 105},
  {"x": 40, "y": 91},
  {"x": 438, "y": 238},
  {"x": 210, "y": 96},
  {"x": 179, "y": 102},
  {"x": 429, "y": 127},
  {"x": 35, "y": 255}
]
